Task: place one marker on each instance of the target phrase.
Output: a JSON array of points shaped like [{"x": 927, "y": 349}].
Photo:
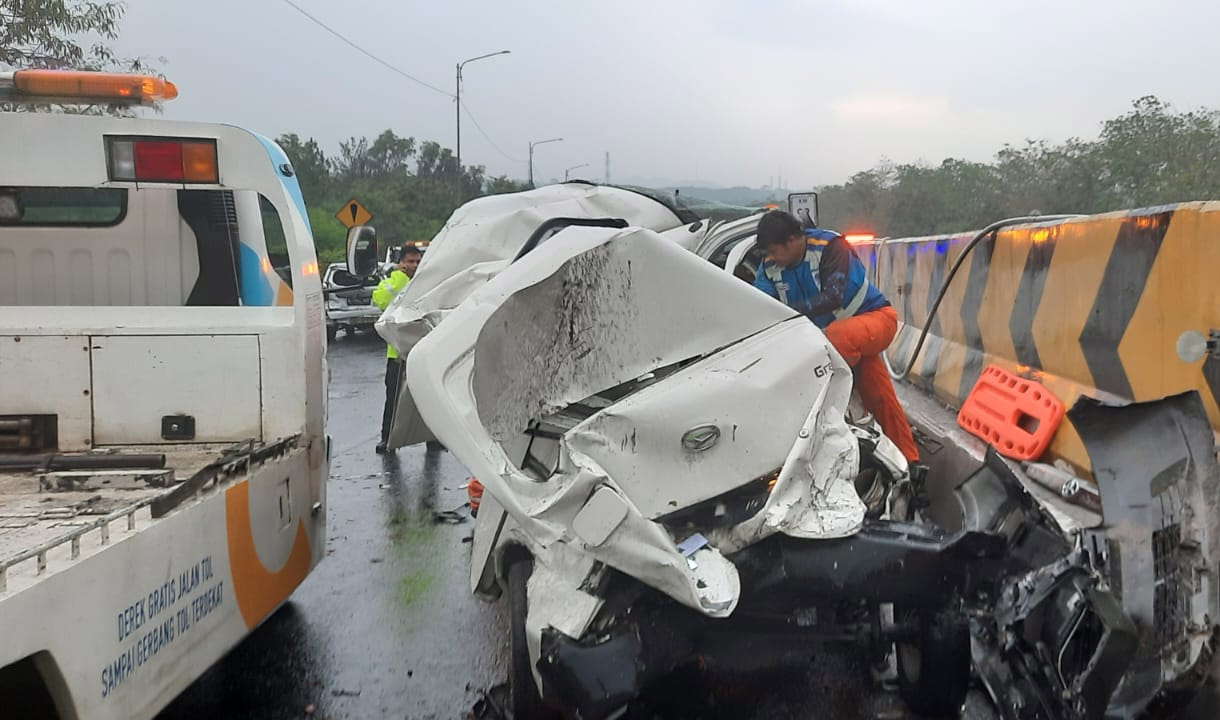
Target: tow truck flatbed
[{"x": 52, "y": 518}]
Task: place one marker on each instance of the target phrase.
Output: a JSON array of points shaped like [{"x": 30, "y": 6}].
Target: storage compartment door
[
  {"x": 212, "y": 381},
  {"x": 48, "y": 375}
]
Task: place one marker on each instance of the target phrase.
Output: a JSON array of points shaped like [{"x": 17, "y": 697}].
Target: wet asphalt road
[{"x": 386, "y": 627}]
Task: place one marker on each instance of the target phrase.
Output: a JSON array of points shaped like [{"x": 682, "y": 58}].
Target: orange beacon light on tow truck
[{"x": 82, "y": 86}]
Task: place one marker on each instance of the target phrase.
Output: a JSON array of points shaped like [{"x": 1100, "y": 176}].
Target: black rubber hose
[{"x": 940, "y": 296}]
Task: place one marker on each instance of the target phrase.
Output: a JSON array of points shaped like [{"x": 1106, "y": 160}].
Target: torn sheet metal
[
  {"x": 603, "y": 307},
  {"x": 557, "y": 600},
  {"x": 581, "y": 316},
  {"x": 1113, "y": 619},
  {"x": 483, "y": 236},
  {"x": 478, "y": 242},
  {"x": 1156, "y": 469},
  {"x": 754, "y": 396}
]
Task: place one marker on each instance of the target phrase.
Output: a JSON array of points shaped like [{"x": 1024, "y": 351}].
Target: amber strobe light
[
  {"x": 162, "y": 160},
  {"x": 70, "y": 85}
]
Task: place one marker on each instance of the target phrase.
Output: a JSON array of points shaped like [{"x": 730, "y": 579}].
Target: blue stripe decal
[
  {"x": 255, "y": 290},
  {"x": 293, "y": 187}
]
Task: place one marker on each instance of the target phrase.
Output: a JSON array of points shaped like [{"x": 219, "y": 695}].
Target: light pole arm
[
  {"x": 457, "y": 101},
  {"x": 532, "y": 144},
  {"x": 480, "y": 57}
]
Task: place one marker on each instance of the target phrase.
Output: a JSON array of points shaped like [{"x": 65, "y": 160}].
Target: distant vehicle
[
  {"x": 163, "y": 457},
  {"x": 349, "y": 302}
]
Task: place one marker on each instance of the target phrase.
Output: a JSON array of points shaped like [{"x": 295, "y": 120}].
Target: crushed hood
[
  {"x": 594, "y": 308},
  {"x": 482, "y": 237}
]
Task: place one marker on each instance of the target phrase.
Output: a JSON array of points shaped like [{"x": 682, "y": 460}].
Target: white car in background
[{"x": 349, "y": 302}]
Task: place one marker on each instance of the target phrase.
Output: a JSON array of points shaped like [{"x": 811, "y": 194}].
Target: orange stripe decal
[
  {"x": 257, "y": 589},
  {"x": 284, "y": 296}
]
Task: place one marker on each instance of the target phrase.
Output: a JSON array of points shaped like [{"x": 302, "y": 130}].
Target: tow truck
[{"x": 163, "y": 457}]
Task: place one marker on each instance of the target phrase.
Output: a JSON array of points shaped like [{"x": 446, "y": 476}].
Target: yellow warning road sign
[{"x": 353, "y": 213}]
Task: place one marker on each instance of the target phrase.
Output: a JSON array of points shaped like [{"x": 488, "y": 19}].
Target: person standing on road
[
  {"x": 816, "y": 273},
  {"x": 385, "y": 293}
]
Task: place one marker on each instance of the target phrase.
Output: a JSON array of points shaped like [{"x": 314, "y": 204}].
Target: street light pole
[
  {"x": 574, "y": 167},
  {"x": 457, "y": 101},
  {"x": 532, "y": 144}
]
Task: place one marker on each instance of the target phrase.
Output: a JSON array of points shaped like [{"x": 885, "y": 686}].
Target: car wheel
[
  {"x": 523, "y": 691},
  {"x": 934, "y": 668}
]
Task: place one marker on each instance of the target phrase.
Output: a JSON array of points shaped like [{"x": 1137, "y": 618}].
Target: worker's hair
[
  {"x": 776, "y": 227},
  {"x": 410, "y": 250}
]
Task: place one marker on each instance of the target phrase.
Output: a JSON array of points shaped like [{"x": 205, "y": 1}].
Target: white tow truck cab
[{"x": 162, "y": 396}]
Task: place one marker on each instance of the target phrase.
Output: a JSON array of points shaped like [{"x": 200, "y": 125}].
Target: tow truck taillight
[{"x": 162, "y": 160}]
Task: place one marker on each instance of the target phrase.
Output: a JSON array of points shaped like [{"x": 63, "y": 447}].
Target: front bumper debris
[{"x": 596, "y": 676}]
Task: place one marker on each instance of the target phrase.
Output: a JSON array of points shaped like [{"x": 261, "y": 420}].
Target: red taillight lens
[
  {"x": 176, "y": 161},
  {"x": 158, "y": 161}
]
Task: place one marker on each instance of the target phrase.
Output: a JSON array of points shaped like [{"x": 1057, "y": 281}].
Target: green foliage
[
  {"x": 309, "y": 162},
  {"x": 1149, "y": 156},
  {"x": 329, "y": 235},
  {"x": 409, "y": 186},
  {"x": 64, "y": 35},
  {"x": 44, "y": 33}
]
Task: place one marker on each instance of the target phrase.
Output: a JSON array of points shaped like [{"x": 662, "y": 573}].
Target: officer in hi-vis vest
[
  {"x": 386, "y": 291},
  {"x": 816, "y": 273}
]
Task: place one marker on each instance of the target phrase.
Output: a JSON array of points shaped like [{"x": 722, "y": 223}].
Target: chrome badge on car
[{"x": 700, "y": 438}]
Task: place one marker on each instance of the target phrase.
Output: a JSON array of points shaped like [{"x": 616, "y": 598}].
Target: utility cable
[
  {"x": 961, "y": 258},
  {"x": 486, "y": 136},
  {"x": 364, "y": 52}
]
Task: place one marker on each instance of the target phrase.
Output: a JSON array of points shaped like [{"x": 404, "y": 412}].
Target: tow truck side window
[
  {"x": 277, "y": 242},
  {"x": 63, "y": 206},
  {"x": 145, "y": 246}
]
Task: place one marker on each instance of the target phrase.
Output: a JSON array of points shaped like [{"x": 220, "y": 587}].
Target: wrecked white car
[
  {"x": 671, "y": 465},
  {"x": 483, "y": 237},
  {"x": 667, "y": 458}
]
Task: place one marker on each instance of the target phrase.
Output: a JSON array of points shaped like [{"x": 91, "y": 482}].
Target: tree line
[
  {"x": 411, "y": 187},
  {"x": 1151, "y": 155}
]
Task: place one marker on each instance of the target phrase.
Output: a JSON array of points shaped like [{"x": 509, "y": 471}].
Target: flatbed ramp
[{"x": 51, "y": 518}]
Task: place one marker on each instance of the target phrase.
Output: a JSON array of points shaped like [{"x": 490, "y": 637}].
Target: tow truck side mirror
[{"x": 362, "y": 260}]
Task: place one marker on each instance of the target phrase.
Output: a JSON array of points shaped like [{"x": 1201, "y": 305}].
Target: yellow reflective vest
[{"x": 386, "y": 290}]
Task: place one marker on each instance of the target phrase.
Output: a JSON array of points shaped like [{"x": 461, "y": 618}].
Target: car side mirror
[{"x": 362, "y": 260}]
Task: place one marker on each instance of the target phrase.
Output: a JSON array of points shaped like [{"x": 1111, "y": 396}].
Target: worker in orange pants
[
  {"x": 861, "y": 339},
  {"x": 816, "y": 272}
]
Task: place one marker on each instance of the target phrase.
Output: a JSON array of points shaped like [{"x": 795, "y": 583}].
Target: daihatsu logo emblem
[{"x": 698, "y": 439}]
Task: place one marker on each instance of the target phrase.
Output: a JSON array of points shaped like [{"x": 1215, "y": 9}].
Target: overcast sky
[{"x": 713, "y": 92}]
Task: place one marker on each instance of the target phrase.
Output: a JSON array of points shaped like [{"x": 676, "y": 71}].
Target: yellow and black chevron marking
[{"x": 1089, "y": 306}]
